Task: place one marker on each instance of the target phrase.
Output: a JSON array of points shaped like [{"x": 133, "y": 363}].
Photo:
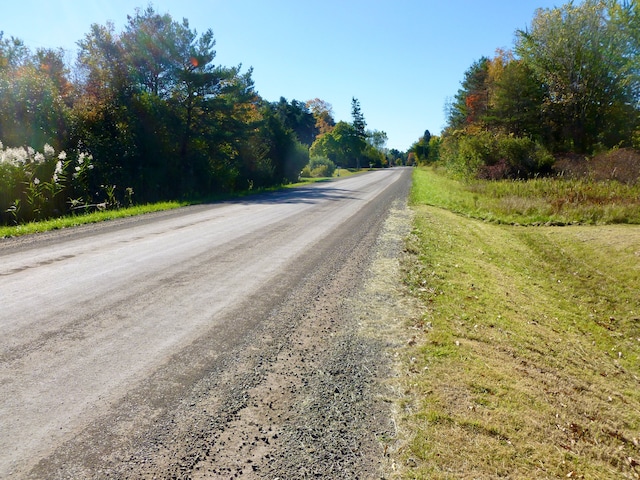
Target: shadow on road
[{"x": 312, "y": 194}]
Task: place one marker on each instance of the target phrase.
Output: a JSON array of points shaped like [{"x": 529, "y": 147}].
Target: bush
[
  {"x": 619, "y": 164},
  {"x": 320, "y": 167},
  {"x": 297, "y": 157},
  {"x": 494, "y": 156}
]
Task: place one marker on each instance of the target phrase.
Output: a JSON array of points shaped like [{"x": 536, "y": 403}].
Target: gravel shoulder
[{"x": 308, "y": 392}]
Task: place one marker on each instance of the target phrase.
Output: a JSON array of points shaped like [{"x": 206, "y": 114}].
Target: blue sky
[{"x": 402, "y": 59}]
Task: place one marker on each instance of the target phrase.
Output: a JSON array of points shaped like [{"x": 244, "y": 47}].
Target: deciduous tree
[
  {"x": 582, "y": 59},
  {"x": 323, "y": 113}
]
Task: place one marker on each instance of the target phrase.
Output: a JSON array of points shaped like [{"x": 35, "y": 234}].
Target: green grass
[
  {"x": 82, "y": 219},
  {"x": 528, "y": 364},
  {"x": 555, "y": 201}
]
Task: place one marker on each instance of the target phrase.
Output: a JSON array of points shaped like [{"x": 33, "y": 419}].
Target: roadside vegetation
[
  {"x": 525, "y": 256},
  {"x": 525, "y": 363},
  {"x": 144, "y": 115},
  {"x": 538, "y": 201},
  {"x": 84, "y": 219},
  {"x": 563, "y": 101}
]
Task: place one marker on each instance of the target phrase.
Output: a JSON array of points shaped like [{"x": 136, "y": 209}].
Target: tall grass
[{"x": 554, "y": 201}]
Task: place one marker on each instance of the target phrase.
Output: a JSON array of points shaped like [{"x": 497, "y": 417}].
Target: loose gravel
[{"x": 309, "y": 394}]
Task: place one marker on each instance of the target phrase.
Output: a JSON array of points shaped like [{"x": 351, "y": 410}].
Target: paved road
[{"x": 123, "y": 321}]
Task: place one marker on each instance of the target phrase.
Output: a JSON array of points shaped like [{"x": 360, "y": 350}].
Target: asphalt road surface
[{"x": 215, "y": 341}]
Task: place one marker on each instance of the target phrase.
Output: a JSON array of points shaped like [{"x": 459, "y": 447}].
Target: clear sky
[{"x": 402, "y": 59}]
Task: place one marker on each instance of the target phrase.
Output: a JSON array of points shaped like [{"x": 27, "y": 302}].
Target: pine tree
[{"x": 359, "y": 126}]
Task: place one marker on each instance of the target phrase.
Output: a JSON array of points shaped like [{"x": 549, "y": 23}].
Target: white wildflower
[
  {"x": 49, "y": 150},
  {"x": 90, "y": 167},
  {"x": 5, "y": 157},
  {"x": 36, "y": 181},
  {"x": 57, "y": 172},
  {"x": 22, "y": 155},
  {"x": 78, "y": 168},
  {"x": 38, "y": 158},
  {"x": 15, "y": 156},
  {"x": 81, "y": 158},
  {"x": 62, "y": 155},
  {"x": 30, "y": 151}
]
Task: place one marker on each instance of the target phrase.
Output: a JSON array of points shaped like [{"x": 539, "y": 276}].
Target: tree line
[
  {"x": 571, "y": 84},
  {"x": 145, "y": 114}
]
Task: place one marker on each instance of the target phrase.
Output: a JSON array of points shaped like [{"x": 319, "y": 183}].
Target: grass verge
[
  {"x": 526, "y": 361},
  {"x": 82, "y": 219}
]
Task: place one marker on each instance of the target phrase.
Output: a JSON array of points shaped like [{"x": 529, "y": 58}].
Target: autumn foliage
[{"x": 570, "y": 85}]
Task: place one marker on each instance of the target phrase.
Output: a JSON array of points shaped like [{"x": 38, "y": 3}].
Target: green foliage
[
  {"x": 13, "y": 53},
  {"x": 427, "y": 149},
  {"x": 434, "y": 149},
  {"x": 297, "y": 117},
  {"x": 373, "y": 157},
  {"x": 358, "y": 143},
  {"x": 517, "y": 102},
  {"x": 471, "y": 101},
  {"x": 296, "y": 158},
  {"x": 396, "y": 157},
  {"x": 573, "y": 87},
  {"x": 582, "y": 58},
  {"x": 159, "y": 116},
  {"x": 341, "y": 145},
  {"x": 485, "y": 154},
  {"x": 278, "y": 149},
  {"x": 319, "y": 167},
  {"x": 359, "y": 124},
  {"x": 38, "y": 185},
  {"x": 158, "y": 119},
  {"x": 32, "y": 108}
]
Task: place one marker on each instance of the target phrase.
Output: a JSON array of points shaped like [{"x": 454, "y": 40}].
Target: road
[{"x": 186, "y": 344}]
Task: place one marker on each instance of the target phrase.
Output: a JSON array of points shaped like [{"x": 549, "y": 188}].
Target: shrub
[
  {"x": 494, "y": 156},
  {"x": 297, "y": 157},
  {"x": 321, "y": 167},
  {"x": 619, "y": 164},
  {"x": 306, "y": 172}
]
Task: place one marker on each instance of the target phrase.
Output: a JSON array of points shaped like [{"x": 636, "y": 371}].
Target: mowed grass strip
[
  {"x": 85, "y": 218},
  {"x": 526, "y": 361}
]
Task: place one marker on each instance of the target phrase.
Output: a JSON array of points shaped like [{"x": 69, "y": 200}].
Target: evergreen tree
[{"x": 359, "y": 128}]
